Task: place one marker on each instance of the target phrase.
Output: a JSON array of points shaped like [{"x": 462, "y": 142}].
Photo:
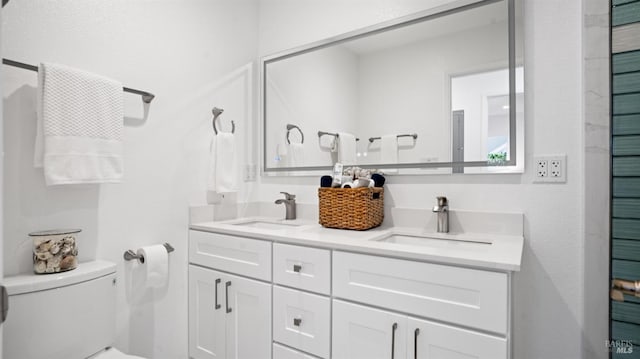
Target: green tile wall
[
  {"x": 626, "y": 13},
  {"x": 626, "y": 124},
  {"x": 625, "y": 62}
]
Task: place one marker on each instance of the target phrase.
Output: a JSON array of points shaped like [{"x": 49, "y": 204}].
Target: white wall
[
  {"x": 547, "y": 292},
  {"x": 193, "y": 55}
]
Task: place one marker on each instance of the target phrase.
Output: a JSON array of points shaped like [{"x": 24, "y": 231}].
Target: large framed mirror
[{"x": 436, "y": 92}]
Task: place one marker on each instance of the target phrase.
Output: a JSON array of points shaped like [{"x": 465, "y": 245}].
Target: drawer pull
[
  {"x": 415, "y": 343},
  {"x": 226, "y": 296},
  {"x": 216, "y": 293},
  {"x": 297, "y": 268},
  {"x": 297, "y": 321},
  {"x": 393, "y": 339}
]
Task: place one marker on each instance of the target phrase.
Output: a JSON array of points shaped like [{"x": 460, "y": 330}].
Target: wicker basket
[{"x": 351, "y": 208}]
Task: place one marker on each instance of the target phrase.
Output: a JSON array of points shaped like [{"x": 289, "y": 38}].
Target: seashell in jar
[
  {"x": 70, "y": 240},
  {"x": 54, "y": 261},
  {"x": 43, "y": 256},
  {"x": 50, "y": 268},
  {"x": 66, "y": 249},
  {"x": 55, "y": 249},
  {"x": 40, "y": 267},
  {"x": 44, "y": 246},
  {"x": 68, "y": 262}
]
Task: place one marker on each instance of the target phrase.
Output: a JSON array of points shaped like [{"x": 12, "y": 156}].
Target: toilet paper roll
[{"x": 156, "y": 265}]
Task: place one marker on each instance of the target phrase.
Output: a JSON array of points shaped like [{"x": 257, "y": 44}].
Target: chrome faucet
[
  {"x": 442, "y": 209},
  {"x": 289, "y": 203}
]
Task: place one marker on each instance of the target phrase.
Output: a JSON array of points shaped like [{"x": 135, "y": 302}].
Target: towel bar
[
  {"x": 414, "y": 135},
  {"x": 130, "y": 255},
  {"x": 147, "y": 97},
  {"x": 322, "y": 133}
]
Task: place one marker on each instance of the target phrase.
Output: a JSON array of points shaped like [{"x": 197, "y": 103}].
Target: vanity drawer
[
  {"x": 302, "y": 267},
  {"x": 282, "y": 352},
  {"x": 302, "y": 320},
  {"x": 469, "y": 297},
  {"x": 244, "y": 256}
]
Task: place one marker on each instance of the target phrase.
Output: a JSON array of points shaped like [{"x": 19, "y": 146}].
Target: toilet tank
[{"x": 63, "y": 315}]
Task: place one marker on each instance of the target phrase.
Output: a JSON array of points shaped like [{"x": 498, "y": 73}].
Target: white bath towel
[
  {"x": 389, "y": 149},
  {"x": 346, "y": 148},
  {"x": 80, "y": 126},
  {"x": 223, "y": 170},
  {"x": 296, "y": 154}
]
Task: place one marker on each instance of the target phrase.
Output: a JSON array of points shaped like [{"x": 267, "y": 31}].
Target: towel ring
[
  {"x": 291, "y": 127},
  {"x": 216, "y": 113}
]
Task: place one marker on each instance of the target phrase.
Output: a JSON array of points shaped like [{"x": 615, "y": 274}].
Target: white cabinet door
[
  {"x": 434, "y": 340},
  {"x": 206, "y": 320},
  {"x": 302, "y": 321},
  {"x": 302, "y": 267},
  {"x": 468, "y": 297},
  {"x": 248, "y": 309},
  {"x": 245, "y": 256},
  {"x": 361, "y": 332}
]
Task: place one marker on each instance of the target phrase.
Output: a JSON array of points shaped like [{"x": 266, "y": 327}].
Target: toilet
[{"x": 63, "y": 315}]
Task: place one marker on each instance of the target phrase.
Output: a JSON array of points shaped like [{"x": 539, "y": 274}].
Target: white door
[
  {"x": 206, "y": 314},
  {"x": 434, "y": 340},
  {"x": 248, "y": 318},
  {"x": 360, "y": 332}
]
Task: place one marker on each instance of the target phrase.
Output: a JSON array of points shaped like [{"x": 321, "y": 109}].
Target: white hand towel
[
  {"x": 346, "y": 148},
  {"x": 389, "y": 149},
  {"x": 223, "y": 166},
  {"x": 296, "y": 154},
  {"x": 80, "y": 126}
]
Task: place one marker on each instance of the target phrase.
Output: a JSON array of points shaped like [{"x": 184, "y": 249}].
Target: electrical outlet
[
  {"x": 541, "y": 168},
  {"x": 551, "y": 168}
]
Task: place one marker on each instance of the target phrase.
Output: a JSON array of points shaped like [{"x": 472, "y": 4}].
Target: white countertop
[{"x": 501, "y": 252}]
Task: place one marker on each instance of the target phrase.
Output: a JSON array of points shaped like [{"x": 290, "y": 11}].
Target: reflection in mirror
[
  {"x": 480, "y": 119},
  {"x": 421, "y": 95}
]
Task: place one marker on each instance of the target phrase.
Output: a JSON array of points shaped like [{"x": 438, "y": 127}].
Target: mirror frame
[{"x": 436, "y": 12}]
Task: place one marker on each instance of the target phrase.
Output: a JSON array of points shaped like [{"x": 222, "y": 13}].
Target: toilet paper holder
[{"x": 131, "y": 255}]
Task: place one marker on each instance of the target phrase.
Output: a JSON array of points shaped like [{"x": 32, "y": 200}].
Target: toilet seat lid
[{"x": 113, "y": 353}]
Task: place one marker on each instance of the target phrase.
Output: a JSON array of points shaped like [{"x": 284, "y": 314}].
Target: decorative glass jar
[{"x": 54, "y": 250}]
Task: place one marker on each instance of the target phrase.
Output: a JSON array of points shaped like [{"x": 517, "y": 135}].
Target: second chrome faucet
[
  {"x": 442, "y": 209},
  {"x": 289, "y": 204}
]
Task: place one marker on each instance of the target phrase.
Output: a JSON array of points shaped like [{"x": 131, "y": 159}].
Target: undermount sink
[
  {"x": 424, "y": 241},
  {"x": 270, "y": 225}
]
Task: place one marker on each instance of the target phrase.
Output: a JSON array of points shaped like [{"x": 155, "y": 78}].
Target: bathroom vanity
[{"x": 267, "y": 288}]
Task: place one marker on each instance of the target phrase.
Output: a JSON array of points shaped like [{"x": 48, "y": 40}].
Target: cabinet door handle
[
  {"x": 393, "y": 339},
  {"x": 216, "y": 293},
  {"x": 297, "y": 268},
  {"x": 415, "y": 343},
  {"x": 297, "y": 321},
  {"x": 226, "y": 296}
]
